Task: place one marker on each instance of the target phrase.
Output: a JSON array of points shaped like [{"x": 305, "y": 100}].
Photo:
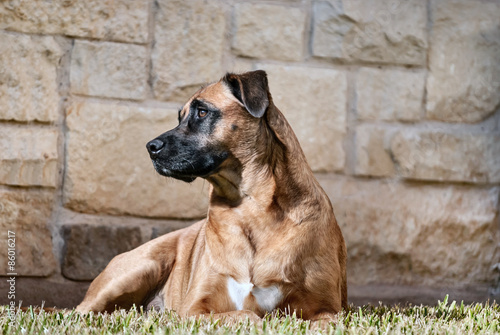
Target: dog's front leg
[
  {"x": 323, "y": 320},
  {"x": 132, "y": 277},
  {"x": 122, "y": 284}
]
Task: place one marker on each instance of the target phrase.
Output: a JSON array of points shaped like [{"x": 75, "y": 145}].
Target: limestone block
[
  {"x": 372, "y": 152},
  {"x": 268, "y": 32},
  {"x": 188, "y": 47},
  {"x": 89, "y": 248},
  {"x": 314, "y": 103},
  {"x": 416, "y": 234},
  {"x": 464, "y": 61},
  {"x": 28, "y": 77},
  {"x": 239, "y": 65},
  {"x": 446, "y": 156},
  {"x": 389, "y": 95},
  {"x": 379, "y": 31},
  {"x": 109, "y": 169},
  {"x": 166, "y": 227},
  {"x": 107, "y": 69},
  {"x": 28, "y": 156},
  {"x": 27, "y": 213},
  {"x": 91, "y": 241},
  {"x": 49, "y": 292},
  {"x": 118, "y": 20}
]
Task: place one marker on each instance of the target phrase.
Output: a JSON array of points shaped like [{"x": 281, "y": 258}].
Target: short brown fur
[{"x": 269, "y": 223}]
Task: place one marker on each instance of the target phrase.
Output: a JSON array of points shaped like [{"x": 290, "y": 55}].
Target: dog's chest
[{"x": 266, "y": 297}]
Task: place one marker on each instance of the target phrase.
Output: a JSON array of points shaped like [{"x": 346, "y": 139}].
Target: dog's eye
[{"x": 202, "y": 112}]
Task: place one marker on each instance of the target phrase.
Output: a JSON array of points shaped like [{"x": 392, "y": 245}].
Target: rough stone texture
[
  {"x": 26, "y": 213},
  {"x": 45, "y": 291},
  {"x": 28, "y": 156},
  {"x": 416, "y": 234},
  {"x": 464, "y": 60},
  {"x": 240, "y": 65},
  {"x": 150, "y": 228},
  {"x": 106, "y": 69},
  {"x": 372, "y": 152},
  {"x": 162, "y": 228},
  {"x": 91, "y": 241},
  {"x": 118, "y": 20},
  {"x": 28, "y": 78},
  {"x": 89, "y": 248},
  {"x": 379, "y": 31},
  {"x": 266, "y": 31},
  {"x": 188, "y": 47},
  {"x": 446, "y": 156},
  {"x": 314, "y": 103},
  {"x": 109, "y": 169},
  {"x": 390, "y": 95}
]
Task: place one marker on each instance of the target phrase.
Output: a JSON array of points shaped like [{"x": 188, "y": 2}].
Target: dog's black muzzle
[
  {"x": 166, "y": 159},
  {"x": 180, "y": 156}
]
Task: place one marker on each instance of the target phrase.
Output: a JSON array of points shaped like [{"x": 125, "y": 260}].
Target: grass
[{"x": 450, "y": 318}]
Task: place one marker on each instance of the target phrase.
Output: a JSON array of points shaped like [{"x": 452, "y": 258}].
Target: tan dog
[{"x": 270, "y": 240}]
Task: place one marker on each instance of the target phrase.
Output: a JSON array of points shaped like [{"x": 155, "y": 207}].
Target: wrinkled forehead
[{"x": 216, "y": 94}]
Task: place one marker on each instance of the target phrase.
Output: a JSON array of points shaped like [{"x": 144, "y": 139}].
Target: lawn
[{"x": 445, "y": 317}]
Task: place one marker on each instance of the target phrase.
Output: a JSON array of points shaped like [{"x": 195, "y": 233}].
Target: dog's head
[{"x": 218, "y": 120}]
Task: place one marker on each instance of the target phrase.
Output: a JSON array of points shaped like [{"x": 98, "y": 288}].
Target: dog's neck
[
  {"x": 260, "y": 197},
  {"x": 273, "y": 176}
]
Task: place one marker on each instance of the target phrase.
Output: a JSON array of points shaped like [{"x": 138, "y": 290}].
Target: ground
[{"x": 445, "y": 317}]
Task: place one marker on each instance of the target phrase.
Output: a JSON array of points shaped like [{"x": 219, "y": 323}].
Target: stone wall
[{"x": 395, "y": 102}]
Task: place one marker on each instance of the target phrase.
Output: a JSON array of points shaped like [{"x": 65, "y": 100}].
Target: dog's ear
[{"x": 251, "y": 89}]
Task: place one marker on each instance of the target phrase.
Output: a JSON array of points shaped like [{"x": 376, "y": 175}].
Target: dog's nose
[{"x": 155, "y": 146}]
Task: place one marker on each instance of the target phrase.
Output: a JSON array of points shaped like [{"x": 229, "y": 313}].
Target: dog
[{"x": 270, "y": 240}]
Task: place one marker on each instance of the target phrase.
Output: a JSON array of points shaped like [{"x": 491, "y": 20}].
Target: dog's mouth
[{"x": 188, "y": 178}]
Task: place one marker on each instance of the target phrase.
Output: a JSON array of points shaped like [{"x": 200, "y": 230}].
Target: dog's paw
[
  {"x": 323, "y": 321},
  {"x": 236, "y": 317}
]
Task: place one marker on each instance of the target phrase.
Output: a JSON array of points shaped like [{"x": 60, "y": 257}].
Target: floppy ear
[{"x": 251, "y": 89}]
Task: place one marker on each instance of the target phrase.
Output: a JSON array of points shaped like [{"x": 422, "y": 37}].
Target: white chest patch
[
  {"x": 267, "y": 297},
  {"x": 238, "y": 292}
]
